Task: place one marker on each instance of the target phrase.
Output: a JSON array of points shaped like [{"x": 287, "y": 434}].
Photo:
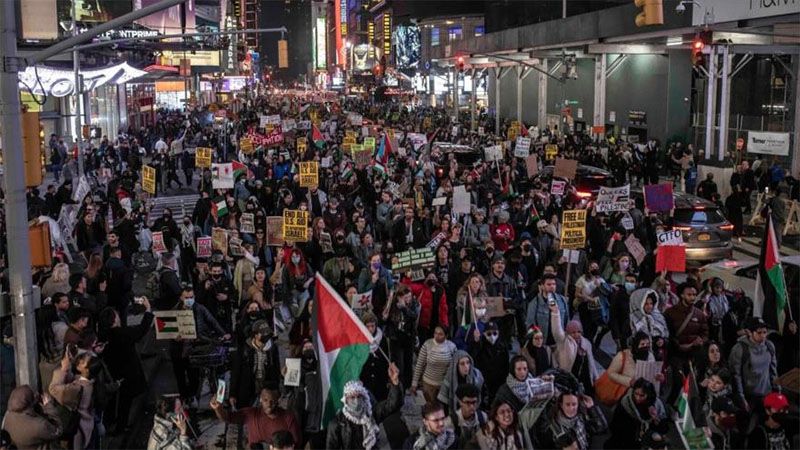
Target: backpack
[{"x": 146, "y": 281}]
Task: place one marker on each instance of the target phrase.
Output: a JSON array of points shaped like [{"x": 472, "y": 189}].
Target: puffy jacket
[
  {"x": 29, "y": 430},
  {"x": 425, "y": 297}
]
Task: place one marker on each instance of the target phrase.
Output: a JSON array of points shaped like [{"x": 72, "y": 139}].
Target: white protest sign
[
  {"x": 355, "y": 119},
  {"x": 172, "y": 324},
  {"x": 523, "y": 147},
  {"x": 493, "y": 153},
  {"x": 671, "y": 237},
  {"x": 627, "y": 222},
  {"x": 417, "y": 139},
  {"x": 288, "y": 125},
  {"x": 613, "y": 199},
  {"x": 81, "y": 190},
  {"x": 461, "y": 200},
  {"x": 557, "y": 187}
]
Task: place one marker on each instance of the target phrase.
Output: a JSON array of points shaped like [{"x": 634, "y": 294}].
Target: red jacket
[{"x": 424, "y": 295}]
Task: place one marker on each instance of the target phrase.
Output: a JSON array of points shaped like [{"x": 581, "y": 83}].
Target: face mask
[
  {"x": 480, "y": 312},
  {"x": 727, "y": 422},
  {"x": 376, "y": 266},
  {"x": 623, "y": 266},
  {"x": 492, "y": 338},
  {"x": 430, "y": 283},
  {"x": 187, "y": 222},
  {"x": 216, "y": 276},
  {"x": 189, "y": 302},
  {"x": 594, "y": 272},
  {"x": 295, "y": 259},
  {"x": 308, "y": 354},
  {"x": 526, "y": 247},
  {"x": 630, "y": 287},
  {"x": 253, "y": 314},
  {"x": 640, "y": 354}
]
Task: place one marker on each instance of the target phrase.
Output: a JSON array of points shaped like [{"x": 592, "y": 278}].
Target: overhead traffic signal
[
  {"x": 652, "y": 12},
  {"x": 32, "y": 145},
  {"x": 698, "y": 44},
  {"x": 460, "y": 62}
]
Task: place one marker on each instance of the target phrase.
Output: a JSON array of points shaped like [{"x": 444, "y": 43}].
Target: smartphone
[{"x": 551, "y": 302}]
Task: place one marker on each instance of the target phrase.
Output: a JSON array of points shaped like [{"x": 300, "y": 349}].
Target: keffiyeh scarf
[{"x": 364, "y": 417}]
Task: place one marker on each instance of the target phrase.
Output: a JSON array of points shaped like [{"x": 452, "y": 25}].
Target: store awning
[{"x": 157, "y": 72}]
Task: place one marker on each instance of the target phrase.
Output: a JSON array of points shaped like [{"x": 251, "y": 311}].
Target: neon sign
[{"x": 61, "y": 83}]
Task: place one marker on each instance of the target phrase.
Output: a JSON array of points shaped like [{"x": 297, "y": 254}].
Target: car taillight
[
  {"x": 727, "y": 227},
  {"x": 682, "y": 228},
  {"x": 584, "y": 194}
]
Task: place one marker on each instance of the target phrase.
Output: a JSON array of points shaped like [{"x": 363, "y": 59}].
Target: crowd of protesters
[{"x": 532, "y": 377}]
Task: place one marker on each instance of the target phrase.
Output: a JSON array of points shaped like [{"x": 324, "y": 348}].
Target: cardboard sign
[
  {"x": 222, "y": 176},
  {"x": 361, "y": 156},
  {"x": 627, "y": 222},
  {"x": 274, "y": 232},
  {"x": 613, "y": 199},
  {"x": 204, "y": 247},
  {"x": 557, "y": 187},
  {"x": 461, "y": 200},
  {"x": 369, "y": 143},
  {"x": 671, "y": 258},
  {"x": 235, "y": 247},
  {"x": 355, "y": 120},
  {"x": 361, "y": 302},
  {"x": 415, "y": 258},
  {"x": 219, "y": 239},
  {"x": 523, "y": 147},
  {"x": 202, "y": 157},
  {"x": 495, "y": 307},
  {"x": 246, "y": 146},
  {"x": 247, "y": 223},
  {"x": 158, "y": 242},
  {"x": 565, "y": 168},
  {"x": 174, "y": 324},
  {"x": 573, "y": 229},
  {"x": 439, "y": 201},
  {"x": 635, "y": 248},
  {"x": 149, "y": 179},
  {"x": 532, "y": 165},
  {"x": 295, "y": 225},
  {"x": 671, "y": 237},
  {"x": 550, "y": 152},
  {"x": 309, "y": 174},
  {"x": 293, "y": 372},
  {"x": 658, "y": 197},
  {"x": 493, "y": 153},
  {"x": 288, "y": 125}
]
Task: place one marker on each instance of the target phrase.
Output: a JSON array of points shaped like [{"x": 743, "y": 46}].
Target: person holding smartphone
[{"x": 170, "y": 428}]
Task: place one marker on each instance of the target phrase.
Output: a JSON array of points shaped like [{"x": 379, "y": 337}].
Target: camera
[{"x": 681, "y": 8}]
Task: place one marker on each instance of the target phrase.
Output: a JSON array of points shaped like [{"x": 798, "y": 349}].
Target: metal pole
[
  {"x": 520, "y": 74},
  {"x": 473, "y": 100},
  {"x": 19, "y": 260},
  {"x": 599, "y": 90},
  {"x": 543, "y": 95},
  {"x": 498, "y": 72},
  {"x": 711, "y": 100},
  {"x": 724, "y": 103},
  {"x": 77, "y": 91}
]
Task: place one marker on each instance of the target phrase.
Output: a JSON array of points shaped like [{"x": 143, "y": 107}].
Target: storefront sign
[
  {"x": 196, "y": 58},
  {"x": 573, "y": 231},
  {"x": 149, "y": 179},
  {"x": 768, "y": 143},
  {"x": 309, "y": 174},
  {"x": 734, "y": 10},
  {"x": 61, "y": 83},
  {"x": 295, "y": 225}
]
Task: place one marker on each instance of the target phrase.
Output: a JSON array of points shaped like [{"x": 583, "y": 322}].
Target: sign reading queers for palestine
[
  {"x": 573, "y": 230},
  {"x": 613, "y": 199}
]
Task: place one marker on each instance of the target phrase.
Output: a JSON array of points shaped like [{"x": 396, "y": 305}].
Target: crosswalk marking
[{"x": 180, "y": 205}]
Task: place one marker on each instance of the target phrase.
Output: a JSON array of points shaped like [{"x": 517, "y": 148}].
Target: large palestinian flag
[
  {"x": 770, "y": 297},
  {"x": 316, "y": 136},
  {"x": 342, "y": 343}
]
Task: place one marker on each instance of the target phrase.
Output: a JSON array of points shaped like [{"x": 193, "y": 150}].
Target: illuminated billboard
[
  {"x": 363, "y": 58},
  {"x": 407, "y": 46},
  {"x": 320, "y": 44},
  {"x": 167, "y": 21}
]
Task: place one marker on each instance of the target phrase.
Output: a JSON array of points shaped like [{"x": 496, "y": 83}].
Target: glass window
[
  {"x": 480, "y": 30},
  {"x": 434, "y": 36},
  {"x": 454, "y": 33}
]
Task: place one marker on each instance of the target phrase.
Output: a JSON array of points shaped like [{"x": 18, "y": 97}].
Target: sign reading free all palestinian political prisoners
[
  {"x": 573, "y": 230},
  {"x": 613, "y": 199}
]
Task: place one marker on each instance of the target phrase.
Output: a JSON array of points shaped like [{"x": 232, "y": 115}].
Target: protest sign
[
  {"x": 461, "y": 200},
  {"x": 481, "y": 131},
  {"x": 293, "y": 372},
  {"x": 247, "y": 223},
  {"x": 495, "y": 307},
  {"x": 246, "y": 146},
  {"x": 671, "y": 258},
  {"x": 437, "y": 240},
  {"x": 550, "y": 152},
  {"x": 523, "y": 147},
  {"x": 326, "y": 161},
  {"x": 302, "y": 144},
  {"x": 288, "y": 125},
  {"x": 295, "y": 225},
  {"x": 658, "y": 197},
  {"x": 326, "y": 242},
  {"x": 361, "y": 156},
  {"x": 158, "y": 242},
  {"x": 627, "y": 222},
  {"x": 174, "y": 324},
  {"x": 571, "y": 256},
  {"x": 202, "y": 157},
  {"x": 275, "y": 231},
  {"x": 565, "y": 168},
  {"x": 635, "y": 248},
  {"x": 350, "y": 135},
  {"x": 361, "y": 302},
  {"x": 557, "y": 187},
  {"x": 573, "y": 231},
  {"x": 439, "y": 201},
  {"x": 149, "y": 179},
  {"x": 304, "y": 125},
  {"x": 204, "y": 247},
  {"x": 415, "y": 258},
  {"x": 532, "y": 165},
  {"x": 355, "y": 120},
  {"x": 81, "y": 190},
  {"x": 671, "y": 237},
  {"x": 369, "y": 143},
  {"x": 222, "y": 176},
  {"x": 309, "y": 173},
  {"x": 613, "y": 199},
  {"x": 493, "y": 153},
  {"x": 417, "y": 140},
  {"x": 219, "y": 239},
  {"x": 235, "y": 246}
]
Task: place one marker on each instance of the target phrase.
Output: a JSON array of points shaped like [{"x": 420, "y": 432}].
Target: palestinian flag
[
  {"x": 342, "y": 344},
  {"x": 316, "y": 136},
  {"x": 167, "y": 324},
  {"x": 240, "y": 169},
  {"x": 384, "y": 150},
  {"x": 219, "y": 206},
  {"x": 770, "y": 297},
  {"x": 693, "y": 437}
]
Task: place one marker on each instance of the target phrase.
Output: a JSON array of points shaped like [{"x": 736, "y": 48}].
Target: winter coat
[
  {"x": 539, "y": 314},
  {"x": 753, "y": 372},
  {"x": 29, "y": 430},
  {"x": 451, "y": 381},
  {"x": 343, "y": 434},
  {"x": 76, "y": 394},
  {"x": 164, "y": 436},
  {"x": 654, "y": 324},
  {"x": 374, "y": 373},
  {"x": 567, "y": 348},
  {"x": 121, "y": 357},
  {"x": 243, "y": 380},
  {"x": 426, "y": 301},
  {"x": 629, "y": 425},
  {"x": 492, "y": 361}
]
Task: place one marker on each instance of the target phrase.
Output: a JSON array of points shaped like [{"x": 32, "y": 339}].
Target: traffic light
[
  {"x": 283, "y": 54},
  {"x": 32, "y": 144},
  {"x": 460, "y": 63},
  {"x": 698, "y": 44},
  {"x": 652, "y": 12}
]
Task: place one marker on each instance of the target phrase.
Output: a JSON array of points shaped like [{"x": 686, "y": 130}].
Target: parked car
[
  {"x": 741, "y": 274},
  {"x": 706, "y": 232},
  {"x": 588, "y": 179}
]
